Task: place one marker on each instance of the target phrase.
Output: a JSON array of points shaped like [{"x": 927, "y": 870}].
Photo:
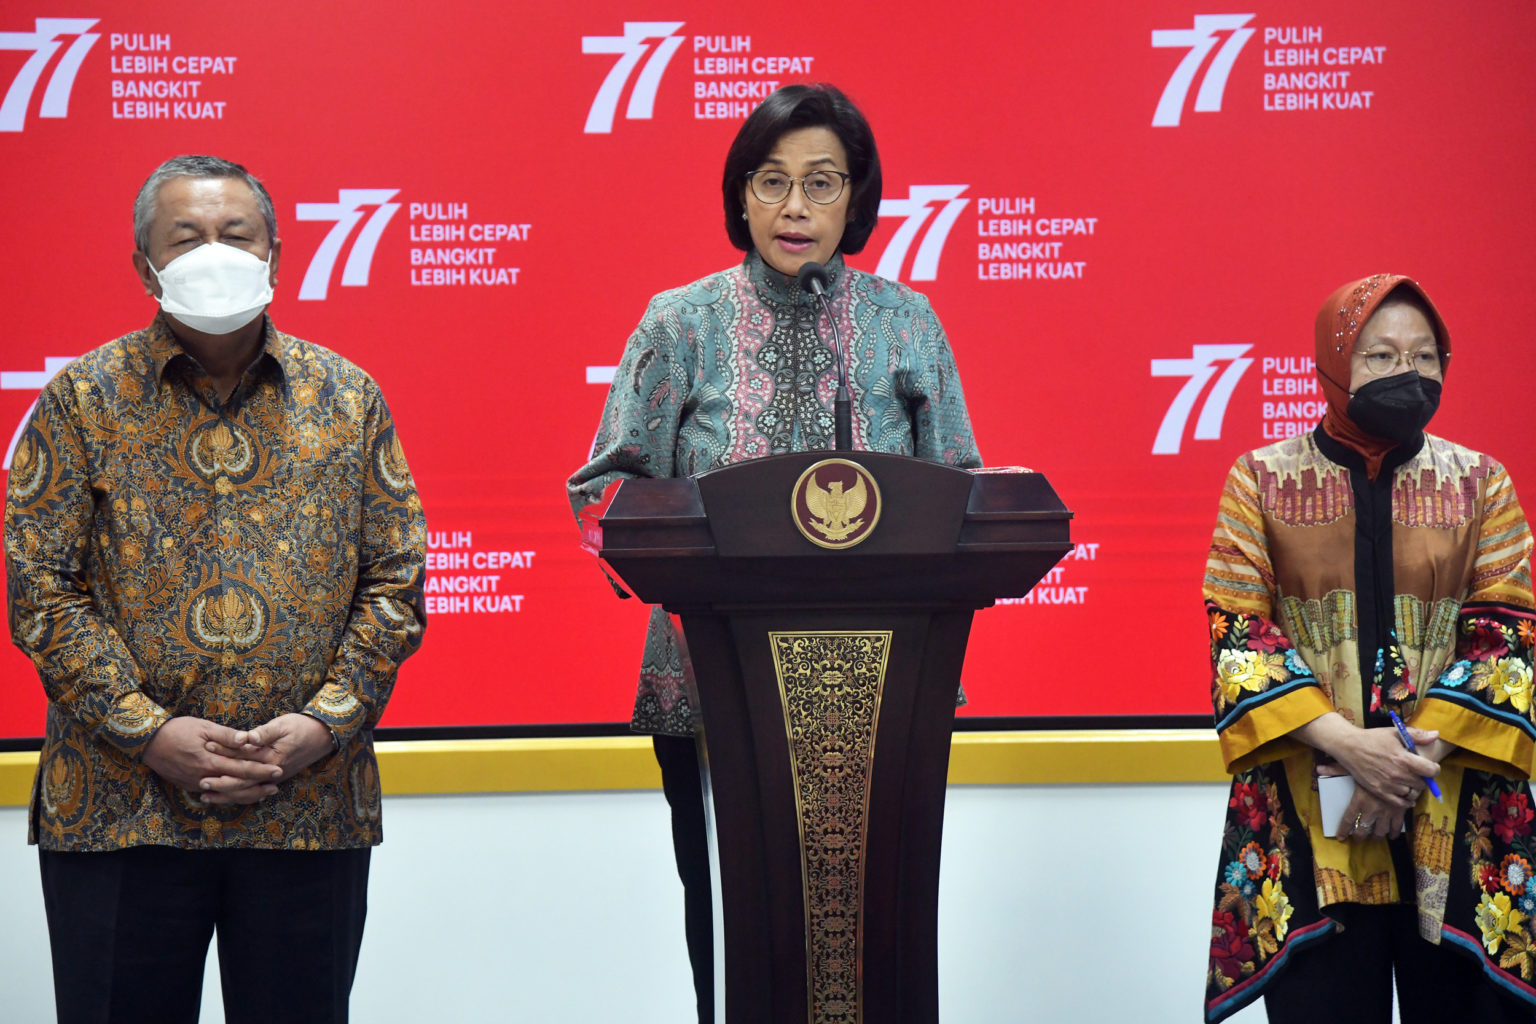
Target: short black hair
[{"x": 806, "y": 106}]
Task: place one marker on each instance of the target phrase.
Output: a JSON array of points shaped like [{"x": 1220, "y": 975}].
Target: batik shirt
[
  {"x": 740, "y": 365},
  {"x": 170, "y": 554},
  {"x": 1329, "y": 592}
]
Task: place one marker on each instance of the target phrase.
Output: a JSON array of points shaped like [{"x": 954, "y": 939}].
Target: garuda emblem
[
  {"x": 836, "y": 503},
  {"x": 836, "y": 512}
]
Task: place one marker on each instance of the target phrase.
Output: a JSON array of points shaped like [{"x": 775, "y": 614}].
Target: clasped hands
[
  {"x": 235, "y": 766},
  {"x": 1388, "y": 778}
]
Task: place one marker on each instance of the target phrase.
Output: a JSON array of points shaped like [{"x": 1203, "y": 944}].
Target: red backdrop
[{"x": 1125, "y": 214}]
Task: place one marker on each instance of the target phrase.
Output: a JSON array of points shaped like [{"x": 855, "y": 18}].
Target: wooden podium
[{"x": 826, "y": 599}]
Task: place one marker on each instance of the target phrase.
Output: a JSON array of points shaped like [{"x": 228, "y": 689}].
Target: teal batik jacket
[{"x": 740, "y": 365}]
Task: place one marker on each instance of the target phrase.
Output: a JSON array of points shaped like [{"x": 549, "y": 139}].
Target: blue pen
[{"x": 1402, "y": 733}]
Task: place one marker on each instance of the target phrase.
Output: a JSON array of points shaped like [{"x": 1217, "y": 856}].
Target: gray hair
[{"x": 195, "y": 167}]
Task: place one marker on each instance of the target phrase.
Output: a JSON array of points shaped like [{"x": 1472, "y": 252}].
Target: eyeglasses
[
  {"x": 821, "y": 187},
  {"x": 1426, "y": 362}
]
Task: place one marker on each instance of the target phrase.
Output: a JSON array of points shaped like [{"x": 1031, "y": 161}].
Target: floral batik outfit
[{"x": 1327, "y": 590}]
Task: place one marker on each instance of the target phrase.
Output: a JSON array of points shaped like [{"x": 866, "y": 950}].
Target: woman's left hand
[{"x": 1369, "y": 817}]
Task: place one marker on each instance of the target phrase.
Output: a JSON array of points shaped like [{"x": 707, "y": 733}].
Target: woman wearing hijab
[
  {"x": 740, "y": 365},
  {"x": 1364, "y": 571}
]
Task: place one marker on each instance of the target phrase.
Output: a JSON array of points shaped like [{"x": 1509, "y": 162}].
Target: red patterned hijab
[{"x": 1339, "y": 324}]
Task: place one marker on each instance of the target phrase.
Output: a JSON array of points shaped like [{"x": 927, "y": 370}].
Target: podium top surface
[{"x": 870, "y": 526}]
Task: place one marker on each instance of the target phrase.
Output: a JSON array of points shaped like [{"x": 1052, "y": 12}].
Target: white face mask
[{"x": 215, "y": 288}]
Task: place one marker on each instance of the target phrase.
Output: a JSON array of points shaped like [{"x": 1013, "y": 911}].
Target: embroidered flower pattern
[
  {"x": 1495, "y": 662},
  {"x": 1248, "y": 654},
  {"x": 1218, "y": 626},
  {"x": 1497, "y": 919},
  {"x": 1512, "y": 815},
  {"x": 1484, "y": 638},
  {"x": 1295, "y": 665},
  {"x": 1253, "y": 910},
  {"x": 1457, "y": 674},
  {"x": 1498, "y": 837},
  {"x": 1274, "y": 910},
  {"x": 1252, "y": 810},
  {"x": 1266, "y": 636},
  {"x": 1230, "y": 948},
  {"x": 1509, "y": 680},
  {"x": 1254, "y": 861},
  {"x": 1391, "y": 682},
  {"x": 1238, "y": 671},
  {"x": 1514, "y": 873}
]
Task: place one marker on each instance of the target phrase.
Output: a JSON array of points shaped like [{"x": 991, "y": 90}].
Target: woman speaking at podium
[{"x": 741, "y": 364}]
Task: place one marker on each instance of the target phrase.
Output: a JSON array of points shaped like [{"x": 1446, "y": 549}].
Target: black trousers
[
  {"x": 680, "y": 783},
  {"x": 129, "y": 932},
  {"x": 1347, "y": 978}
]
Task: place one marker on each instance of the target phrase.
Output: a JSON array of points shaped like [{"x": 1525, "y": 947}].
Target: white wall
[{"x": 1057, "y": 904}]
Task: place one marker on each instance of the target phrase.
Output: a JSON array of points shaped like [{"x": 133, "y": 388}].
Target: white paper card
[{"x": 1334, "y": 793}]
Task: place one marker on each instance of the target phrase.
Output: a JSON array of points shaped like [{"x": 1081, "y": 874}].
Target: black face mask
[{"x": 1395, "y": 408}]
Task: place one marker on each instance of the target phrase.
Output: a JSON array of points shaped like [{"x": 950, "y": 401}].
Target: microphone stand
[{"x": 813, "y": 278}]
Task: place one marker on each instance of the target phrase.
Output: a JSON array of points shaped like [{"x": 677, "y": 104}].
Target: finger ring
[
  {"x": 1370, "y": 825},
  {"x": 1356, "y": 826}
]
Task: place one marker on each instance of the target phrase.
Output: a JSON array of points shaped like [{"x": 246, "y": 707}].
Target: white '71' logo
[
  {"x": 1199, "y": 368},
  {"x": 44, "y": 43},
  {"x": 1200, "y": 40},
  {"x": 925, "y": 266},
  {"x": 631, "y": 46},
  {"x": 346, "y": 212}
]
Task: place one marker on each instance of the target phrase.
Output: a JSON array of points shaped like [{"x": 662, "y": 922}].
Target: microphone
[{"x": 813, "y": 279}]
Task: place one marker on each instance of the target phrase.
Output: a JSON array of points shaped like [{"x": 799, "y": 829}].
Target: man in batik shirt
[{"x": 215, "y": 554}]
